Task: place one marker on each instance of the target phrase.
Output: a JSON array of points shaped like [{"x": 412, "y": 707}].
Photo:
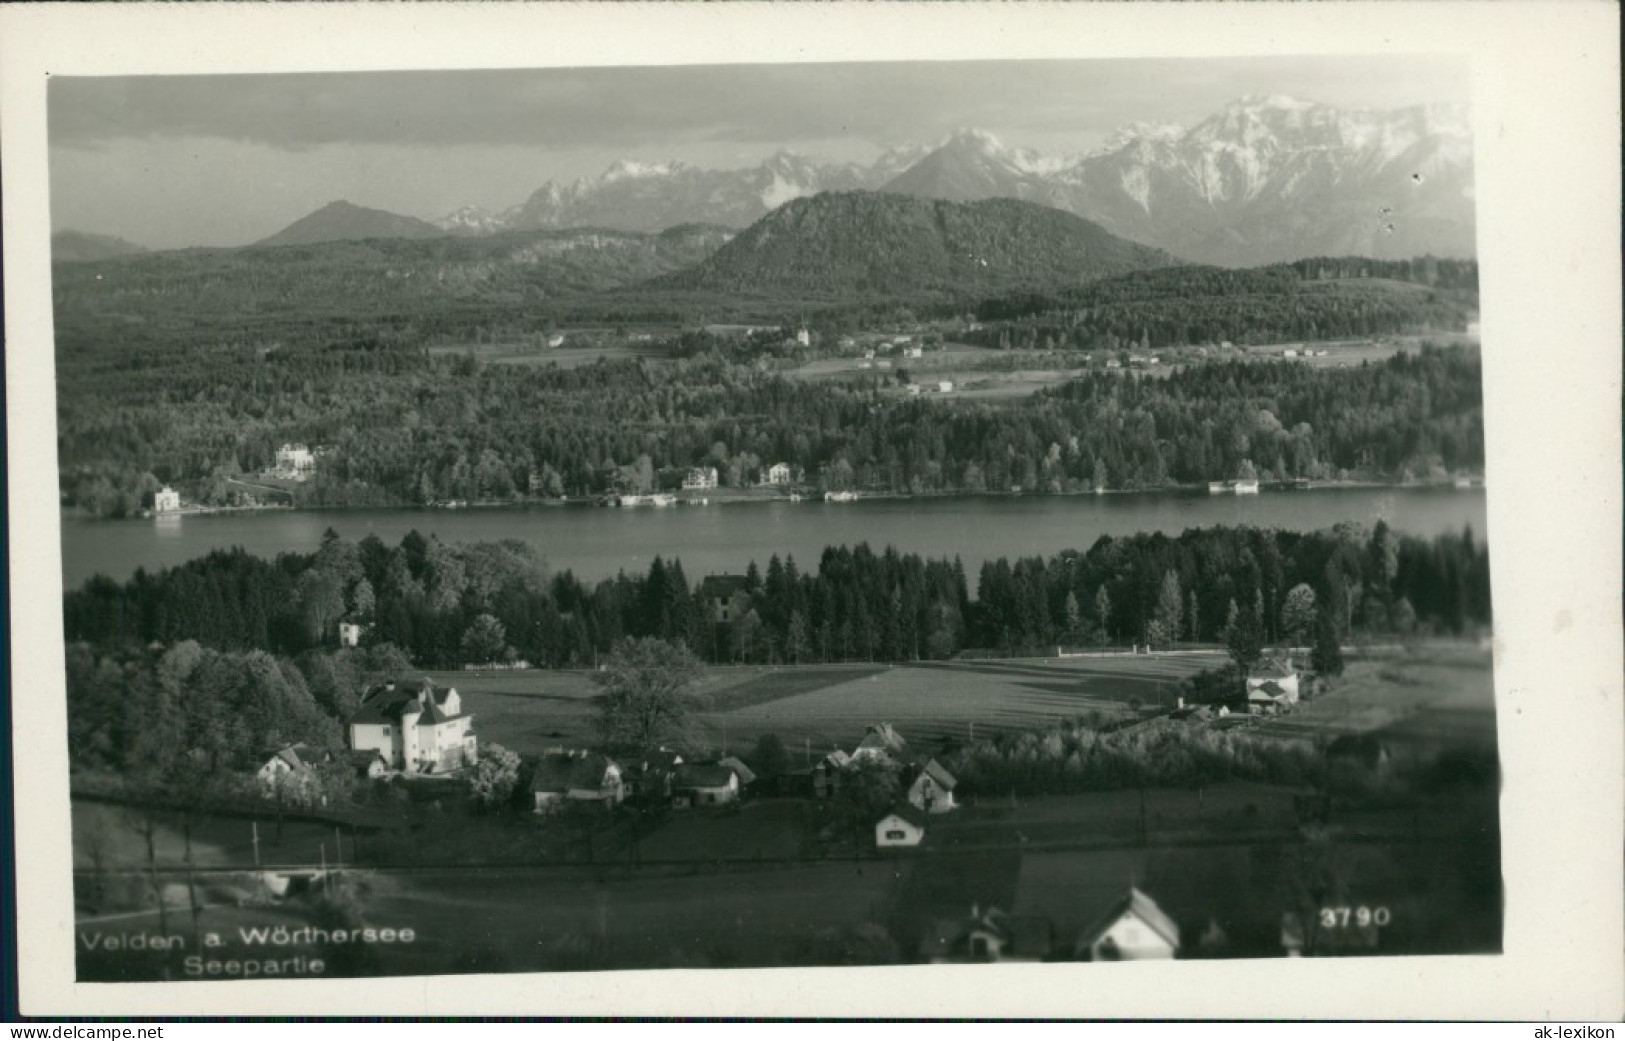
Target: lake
[{"x": 595, "y": 542}]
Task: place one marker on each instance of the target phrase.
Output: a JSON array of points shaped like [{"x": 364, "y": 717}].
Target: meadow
[{"x": 817, "y": 708}]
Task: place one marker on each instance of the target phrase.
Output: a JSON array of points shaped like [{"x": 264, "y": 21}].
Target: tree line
[
  {"x": 436, "y": 428},
  {"x": 443, "y": 605}
]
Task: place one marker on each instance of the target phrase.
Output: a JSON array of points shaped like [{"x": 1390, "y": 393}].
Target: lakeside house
[
  {"x": 725, "y": 595},
  {"x": 840, "y": 496},
  {"x": 701, "y": 477},
  {"x": 166, "y": 500},
  {"x": 1134, "y": 928},
  {"x": 294, "y": 462},
  {"x": 932, "y": 789},
  {"x": 578, "y": 776},
  {"x": 987, "y": 936},
  {"x": 903, "y": 826},
  {"x": 1246, "y": 486},
  {"x": 779, "y": 473},
  {"x": 416, "y": 726}
]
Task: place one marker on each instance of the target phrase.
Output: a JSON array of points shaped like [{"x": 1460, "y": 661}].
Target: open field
[
  {"x": 936, "y": 700},
  {"x": 566, "y": 357},
  {"x": 1431, "y": 695}
]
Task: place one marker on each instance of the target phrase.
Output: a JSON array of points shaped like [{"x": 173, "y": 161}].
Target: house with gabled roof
[
  {"x": 416, "y": 726},
  {"x": 705, "y": 784},
  {"x": 987, "y": 936},
  {"x": 932, "y": 788},
  {"x": 578, "y": 776},
  {"x": 295, "y": 759},
  {"x": 726, "y": 596},
  {"x": 1133, "y": 928},
  {"x": 826, "y": 773},
  {"x": 649, "y": 776},
  {"x": 1278, "y": 675},
  {"x": 902, "y": 826},
  {"x": 881, "y": 742}
]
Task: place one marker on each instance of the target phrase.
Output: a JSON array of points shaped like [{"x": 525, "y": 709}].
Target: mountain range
[{"x": 1267, "y": 178}]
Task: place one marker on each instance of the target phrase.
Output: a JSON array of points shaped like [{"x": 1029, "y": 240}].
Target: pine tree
[{"x": 1327, "y": 654}]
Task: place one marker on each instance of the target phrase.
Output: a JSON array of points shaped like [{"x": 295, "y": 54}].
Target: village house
[
  {"x": 746, "y": 775},
  {"x": 987, "y": 936},
  {"x": 701, "y": 477},
  {"x": 903, "y": 826},
  {"x": 881, "y": 743},
  {"x": 295, "y": 761},
  {"x": 725, "y": 595},
  {"x": 803, "y": 337},
  {"x": 1134, "y": 928},
  {"x": 826, "y": 774},
  {"x": 368, "y": 764},
  {"x": 945, "y": 386},
  {"x": 585, "y": 778},
  {"x": 166, "y": 500},
  {"x": 649, "y": 779},
  {"x": 705, "y": 784},
  {"x": 350, "y": 634},
  {"x": 914, "y": 352},
  {"x": 416, "y": 726},
  {"x": 779, "y": 473},
  {"x": 1275, "y": 678},
  {"x": 932, "y": 789},
  {"x": 1246, "y": 486},
  {"x": 913, "y": 390}
]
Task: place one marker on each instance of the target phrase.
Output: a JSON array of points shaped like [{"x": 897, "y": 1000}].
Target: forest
[
  {"x": 410, "y": 429},
  {"x": 442, "y": 606},
  {"x": 1308, "y": 300}
]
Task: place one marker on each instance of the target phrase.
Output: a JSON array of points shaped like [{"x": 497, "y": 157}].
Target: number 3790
[{"x": 1359, "y": 917}]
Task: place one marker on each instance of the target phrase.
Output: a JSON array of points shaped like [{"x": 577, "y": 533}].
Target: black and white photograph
[{"x": 577, "y": 518}]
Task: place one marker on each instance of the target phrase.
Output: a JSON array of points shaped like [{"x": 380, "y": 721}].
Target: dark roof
[
  {"x": 298, "y": 756},
  {"x": 1268, "y": 689},
  {"x": 387, "y": 702},
  {"x": 937, "y": 773},
  {"x": 721, "y": 587},
  {"x": 569, "y": 771},
  {"x": 702, "y": 775},
  {"x": 906, "y": 810},
  {"x": 1143, "y": 907},
  {"x": 364, "y": 757},
  {"x": 734, "y": 763},
  {"x": 1027, "y": 936},
  {"x": 661, "y": 760},
  {"x": 881, "y": 736},
  {"x": 1272, "y": 668},
  {"x": 1360, "y": 747}
]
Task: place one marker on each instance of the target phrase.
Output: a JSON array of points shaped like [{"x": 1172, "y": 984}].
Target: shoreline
[{"x": 726, "y": 497}]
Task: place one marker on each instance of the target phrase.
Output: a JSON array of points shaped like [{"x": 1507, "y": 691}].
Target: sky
[{"x": 172, "y": 161}]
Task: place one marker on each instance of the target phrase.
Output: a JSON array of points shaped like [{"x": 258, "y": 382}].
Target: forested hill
[
  {"x": 345, "y": 221},
  {"x": 233, "y": 292},
  {"x": 69, "y": 246},
  {"x": 841, "y": 244},
  {"x": 1315, "y": 299}
]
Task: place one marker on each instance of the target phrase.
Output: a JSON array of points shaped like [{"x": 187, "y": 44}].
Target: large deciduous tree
[{"x": 646, "y": 702}]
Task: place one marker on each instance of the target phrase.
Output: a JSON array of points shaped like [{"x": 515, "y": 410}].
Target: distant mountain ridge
[
  {"x": 346, "y": 222},
  {"x": 864, "y": 243},
  {"x": 1265, "y": 179},
  {"x": 68, "y": 246}
]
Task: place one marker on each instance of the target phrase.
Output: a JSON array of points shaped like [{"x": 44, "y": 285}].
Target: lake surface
[{"x": 595, "y": 542}]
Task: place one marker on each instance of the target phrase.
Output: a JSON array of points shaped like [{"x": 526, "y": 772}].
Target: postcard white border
[{"x": 1546, "y": 81}]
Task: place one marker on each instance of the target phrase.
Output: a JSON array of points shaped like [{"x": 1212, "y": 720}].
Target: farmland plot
[{"x": 946, "y": 699}]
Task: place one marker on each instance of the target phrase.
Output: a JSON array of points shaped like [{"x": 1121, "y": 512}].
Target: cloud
[{"x": 640, "y": 108}]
